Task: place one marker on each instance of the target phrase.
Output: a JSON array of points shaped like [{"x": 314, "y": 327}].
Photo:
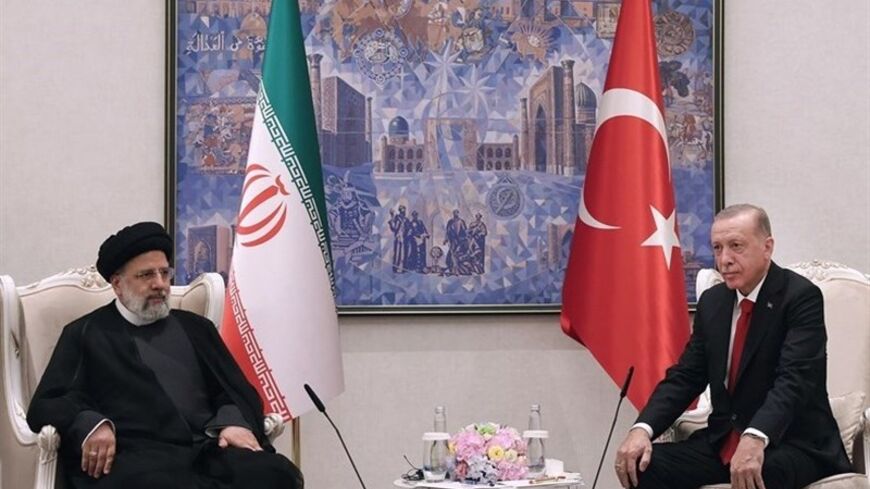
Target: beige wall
[
  {"x": 797, "y": 122},
  {"x": 81, "y": 127},
  {"x": 81, "y": 153}
]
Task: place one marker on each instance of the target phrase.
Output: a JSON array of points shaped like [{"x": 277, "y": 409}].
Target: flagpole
[{"x": 295, "y": 428}]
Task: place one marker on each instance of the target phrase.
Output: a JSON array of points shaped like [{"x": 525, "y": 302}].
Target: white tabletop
[{"x": 567, "y": 481}]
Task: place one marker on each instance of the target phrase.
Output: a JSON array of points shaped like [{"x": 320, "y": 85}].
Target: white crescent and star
[
  {"x": 665, "y": 234},
  {"x": 618, "y": 102}
]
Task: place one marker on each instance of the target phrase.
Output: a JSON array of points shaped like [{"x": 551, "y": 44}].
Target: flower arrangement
[{"x": 487, "y": 452}]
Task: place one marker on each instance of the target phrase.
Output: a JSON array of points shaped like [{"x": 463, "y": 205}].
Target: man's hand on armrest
[
  {"x": 98, "y": 450},
  {"x": 236, "y": 436}
]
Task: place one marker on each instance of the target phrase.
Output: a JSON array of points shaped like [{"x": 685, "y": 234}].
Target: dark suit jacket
[{"x": 781, "y": 382}]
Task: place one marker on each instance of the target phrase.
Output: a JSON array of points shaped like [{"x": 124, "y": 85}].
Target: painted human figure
[
  {"x": 202, "y": 262},
  {"x": 457, "y": 234},
  {"x": 415, "y": 244},
  {"x": 477, "y": 243},
  {"x": 398, "y": 225},
  {"x": 350, "y": 216}
]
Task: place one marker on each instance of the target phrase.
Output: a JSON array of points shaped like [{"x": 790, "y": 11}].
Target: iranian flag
[
  {"x": 280, "y": 321},
  {"x": 624, "y": 295}
]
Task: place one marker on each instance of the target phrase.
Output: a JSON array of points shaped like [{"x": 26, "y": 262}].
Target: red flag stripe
[{"x": 238, "y": 334}]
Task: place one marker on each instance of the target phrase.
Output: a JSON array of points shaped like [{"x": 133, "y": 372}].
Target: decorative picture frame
[{"x": 453, "y": 137}]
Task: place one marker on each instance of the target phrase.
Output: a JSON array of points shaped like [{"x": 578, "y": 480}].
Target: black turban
[{"x": 129, "y": 243}]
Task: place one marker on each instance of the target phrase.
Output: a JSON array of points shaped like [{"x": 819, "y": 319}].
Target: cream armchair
[
  {"x": 847, "y": 316},
  {"x": 32, "y": 318}
]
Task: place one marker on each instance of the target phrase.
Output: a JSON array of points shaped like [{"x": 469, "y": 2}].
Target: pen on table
[{"x": 546, "y": 479}]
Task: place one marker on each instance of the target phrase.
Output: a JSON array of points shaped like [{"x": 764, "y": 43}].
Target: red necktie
[{"x": 730, "y": 445}]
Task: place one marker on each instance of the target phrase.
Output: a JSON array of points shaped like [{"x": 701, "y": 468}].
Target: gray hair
[{"x": 762, "y": 222}]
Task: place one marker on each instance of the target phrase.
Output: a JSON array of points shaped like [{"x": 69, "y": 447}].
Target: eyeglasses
[
  {"x": 414, "y": 474},
  {"x": 148, "y": 275}
]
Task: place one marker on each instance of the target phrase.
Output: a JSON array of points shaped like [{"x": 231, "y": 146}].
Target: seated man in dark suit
[
  {"x": 148, "y": 397},
  {"x": 758, "y": 340}
]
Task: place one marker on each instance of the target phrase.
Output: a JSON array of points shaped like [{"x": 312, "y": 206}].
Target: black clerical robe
[{"x": 97, "y": 372}]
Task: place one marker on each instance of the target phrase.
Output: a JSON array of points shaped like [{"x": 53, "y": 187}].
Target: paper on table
[
  {"x": 460, "y": 485},
  {"x": 568, "y": 478}
]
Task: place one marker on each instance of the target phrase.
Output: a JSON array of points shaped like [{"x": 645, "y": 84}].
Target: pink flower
[
  {"x": 502, "y": 439},
  {"x": 468, "y": 444},
  {"x": 487, "y": 452},
  {"x": 511, "y": 471}
]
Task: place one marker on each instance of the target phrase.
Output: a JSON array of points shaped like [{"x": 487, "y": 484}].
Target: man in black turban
[{"x": 145, "y": 396}]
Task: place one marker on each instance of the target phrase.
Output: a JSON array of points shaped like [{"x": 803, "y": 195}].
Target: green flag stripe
[
  {"x": 285, "y": 76},
  {"x": 286, "y": 92},
  {"x": 299, "y": 175}
]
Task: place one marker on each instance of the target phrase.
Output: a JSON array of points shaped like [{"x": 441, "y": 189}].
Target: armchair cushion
[
  {"x": 841, "y": 481},
  {"x": 848, "y": 411}
]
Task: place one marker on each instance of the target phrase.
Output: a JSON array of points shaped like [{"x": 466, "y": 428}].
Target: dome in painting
[
  {"x": 398, "y": 127},
  {"x": 585, "y": 97},
  {"x": 253, "y": 25}
]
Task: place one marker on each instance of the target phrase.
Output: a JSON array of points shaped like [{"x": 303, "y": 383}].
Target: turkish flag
[{"x": 624, "y": 295}]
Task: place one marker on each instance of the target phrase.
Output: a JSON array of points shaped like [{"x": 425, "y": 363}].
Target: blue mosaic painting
[{"x": 454, "y": 137}]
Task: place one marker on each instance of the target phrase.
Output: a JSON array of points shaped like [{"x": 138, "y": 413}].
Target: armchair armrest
[
  {"x": 48, "y": 441},
  {"x": 689, "y": 422},
  {"x": 865, "y": 448},
  {"x": 693, "y": 419},
  {"x": 46, "y": 470},
  {"x": 273, "y": 426}
]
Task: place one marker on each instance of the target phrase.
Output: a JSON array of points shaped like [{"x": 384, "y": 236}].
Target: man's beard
[{"x": 141, "y": 307}]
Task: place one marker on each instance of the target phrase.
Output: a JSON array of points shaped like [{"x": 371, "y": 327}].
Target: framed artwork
[{"x": 454, "y": 137}]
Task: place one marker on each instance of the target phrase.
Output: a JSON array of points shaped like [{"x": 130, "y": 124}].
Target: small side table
[{"x": 571, "y": 481}]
